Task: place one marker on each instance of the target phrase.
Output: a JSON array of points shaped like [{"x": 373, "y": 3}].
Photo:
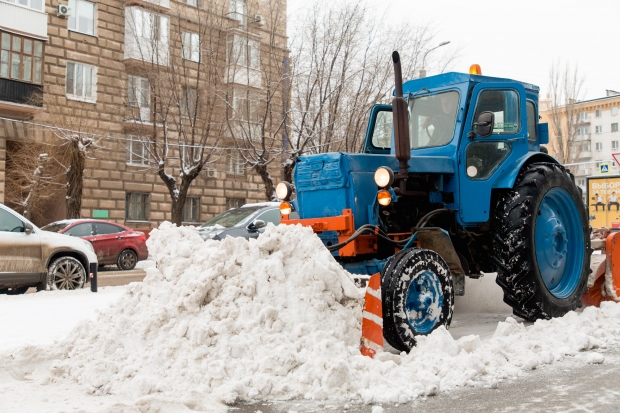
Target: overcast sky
[{"x": 520, "y": 39}]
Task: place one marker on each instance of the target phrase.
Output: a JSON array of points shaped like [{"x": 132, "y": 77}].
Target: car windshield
[
  {"x": 55, "y": 227},
  {"x": 432, "y": 119},
  {"x": 230, "y": 218}
]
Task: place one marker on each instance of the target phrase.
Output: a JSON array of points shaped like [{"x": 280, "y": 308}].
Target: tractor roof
[{"x": 452, "y": 78}]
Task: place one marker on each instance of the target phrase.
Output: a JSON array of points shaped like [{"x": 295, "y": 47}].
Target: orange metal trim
[{"x": 342, "y": 223}]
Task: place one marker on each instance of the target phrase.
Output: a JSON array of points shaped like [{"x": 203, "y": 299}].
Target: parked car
[
  {"x": 30, "y": 257},
  {"x": 113, "y": 243},
  {"x": 248, "y": 221}
]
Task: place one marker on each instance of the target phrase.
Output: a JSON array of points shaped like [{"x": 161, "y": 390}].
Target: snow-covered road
[{"x": 273, "y": 318}]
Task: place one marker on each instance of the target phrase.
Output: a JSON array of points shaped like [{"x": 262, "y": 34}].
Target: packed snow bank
[{"x": 277, "y": 318}]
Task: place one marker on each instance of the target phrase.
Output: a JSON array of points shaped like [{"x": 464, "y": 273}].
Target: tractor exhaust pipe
[{"x": 401, "y": 123}]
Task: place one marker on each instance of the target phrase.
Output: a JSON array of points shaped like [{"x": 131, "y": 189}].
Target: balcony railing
[
  {"x": 20, "y": 92},
  {"x": 585, "y": 155},
  {"x": 582, "y": 138}
]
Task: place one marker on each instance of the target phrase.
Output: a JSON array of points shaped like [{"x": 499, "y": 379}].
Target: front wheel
[
  {"x": 417, "y": 295},
  {"x": 66, "y": 273},
  {"x": 541, "y": 243}
]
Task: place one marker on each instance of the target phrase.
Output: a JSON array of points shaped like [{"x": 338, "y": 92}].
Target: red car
[{"x": 113, "y": 243}]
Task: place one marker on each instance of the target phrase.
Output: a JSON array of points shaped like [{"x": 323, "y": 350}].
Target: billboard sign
[{"x": 603, "y": 206}]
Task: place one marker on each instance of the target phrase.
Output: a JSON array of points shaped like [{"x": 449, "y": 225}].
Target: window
[
  {"x": 598, "y": 129},
  {"x": 9, "y": 222},
  {"x": 581, "y": 182},
  {"x": 245, "y": 105},
  {"x": 614, "y": 127},
  {"x": 242, "y": 51},
  {"x": 31, "y": 4},
  {"x": 238, "y": 10},
  {"x": 191, "y": 46},
  {"x": 598, "y": 113},
  {"x": 137, "y": 206},
  {"x": 599, "y": 146},
  {"x": 191, "y": 209},
  {"x": 432, "y": 119},
  {"x": 82, "y": 18},
  {"x": 236, "y": 164},
  {"x": 583, "y": 131},
  {"x": 137, "y": 151},
  {"x": 585, "y": 146},
  {"x": 531, "y": 121},
  {"x": 81, "y": 83},
  {"x": 139, "y": 96},
  {"x": 105, "y": 229},
  {"x": 505, "y": 106},
  {"x": 150, "y": 26},
  {"x": 80, "y": 230},
  {"x": 583, "y": 116},
  {"x": 614, "y": 144},
  {"x": 234, "y": 202},
  {"x": 21, "y": 58},
  {"x": 193, "y": 3},
  {"x": 189, "y": 101},
  {"x": 614, "y": 110}
]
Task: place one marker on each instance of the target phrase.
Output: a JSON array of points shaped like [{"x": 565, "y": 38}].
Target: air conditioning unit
[
  {"x": 260, "y": 19},
  {"x": 63, "y": 11},
  {"x": 211, "y": 173}
]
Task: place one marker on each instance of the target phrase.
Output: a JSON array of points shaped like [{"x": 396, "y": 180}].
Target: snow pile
[{"x": 277, "y": 318}]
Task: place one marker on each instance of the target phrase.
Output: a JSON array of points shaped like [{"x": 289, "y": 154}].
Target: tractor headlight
[
  {"x": 384, "y": 177},
  {"x": 284, "y": 190},
  {"x": 285, "y": 208},
  {"x": 384, "y": 197}
]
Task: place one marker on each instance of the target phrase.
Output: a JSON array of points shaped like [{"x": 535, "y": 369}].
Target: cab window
[
  {"x": 382, "y": 132},
  {"x": 531, "y": 121},
  {"x": 505, "y": 106}
]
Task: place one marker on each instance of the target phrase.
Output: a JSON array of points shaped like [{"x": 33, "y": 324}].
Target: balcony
[
  {"x": 584, "y": 155},
  {"x": 583, "y": 138},
  {"x": 19, "y": 96},
  {"x": 24, "y": 20}
]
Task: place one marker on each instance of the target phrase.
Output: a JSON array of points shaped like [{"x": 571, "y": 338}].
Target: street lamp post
[{"x": 422, "y": 70}]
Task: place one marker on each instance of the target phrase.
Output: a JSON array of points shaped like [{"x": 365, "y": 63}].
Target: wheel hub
[
  {"x": 559, "y": 242},
  {"x": 424, "y": 302}
]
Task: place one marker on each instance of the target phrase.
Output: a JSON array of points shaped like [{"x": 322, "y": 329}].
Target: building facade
[
  {"x": 139, "y": 82},
  {"x": 595, "y": 135}
]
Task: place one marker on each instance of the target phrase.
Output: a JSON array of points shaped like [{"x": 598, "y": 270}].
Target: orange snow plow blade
[
  {"x": 607, "y": 277},
  {"x": 372, "y": 318}
]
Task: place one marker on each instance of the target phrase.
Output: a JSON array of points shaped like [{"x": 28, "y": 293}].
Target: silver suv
[{"x": 30, "y": 257}]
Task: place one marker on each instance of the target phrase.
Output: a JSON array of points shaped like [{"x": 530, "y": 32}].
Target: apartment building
[
  {"x": 596, "y": 135},
  {"x": 104, "y": 71}
]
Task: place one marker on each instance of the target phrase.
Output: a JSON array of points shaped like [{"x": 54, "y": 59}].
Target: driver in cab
[{"x": 439, "y": 127}]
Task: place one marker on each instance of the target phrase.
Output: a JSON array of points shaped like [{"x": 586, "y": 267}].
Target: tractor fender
[{"x": 509, "y": 175}]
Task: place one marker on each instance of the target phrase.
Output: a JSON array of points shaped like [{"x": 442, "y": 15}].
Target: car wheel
[
  {"x": 127, "y": 260},
  {"x": 14, "y": 291},
  {"x": 66, "y": 273}
]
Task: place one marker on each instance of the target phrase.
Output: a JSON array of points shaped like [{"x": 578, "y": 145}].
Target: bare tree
[
  {"x": 341, "y": 68},
  {"x": 173, "y": 101},
  {"x": 565, "y": 91},
  {"x": 256, "y": 73}
]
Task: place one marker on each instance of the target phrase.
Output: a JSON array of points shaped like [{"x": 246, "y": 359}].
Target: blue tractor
[{"x": 452, "y": 182}]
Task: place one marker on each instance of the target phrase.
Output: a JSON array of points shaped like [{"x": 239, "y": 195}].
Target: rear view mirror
[
  {"x": 484, "y": 126},
  {"x": 258, "y": 224},
  {"x": 28, "y": 228}
]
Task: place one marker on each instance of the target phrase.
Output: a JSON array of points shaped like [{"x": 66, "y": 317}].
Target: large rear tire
[
  {"x": 417, "y": 295},
  {"x": 541, "y": 243}
]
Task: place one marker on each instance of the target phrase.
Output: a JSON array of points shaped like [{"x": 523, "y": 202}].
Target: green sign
[{"x": 101, "y": 213}]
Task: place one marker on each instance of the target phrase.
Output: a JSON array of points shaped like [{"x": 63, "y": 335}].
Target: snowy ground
[{"x": 266, "y": 320}]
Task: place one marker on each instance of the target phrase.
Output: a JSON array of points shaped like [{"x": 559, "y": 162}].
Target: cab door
[{"x": 483, "y": 160}]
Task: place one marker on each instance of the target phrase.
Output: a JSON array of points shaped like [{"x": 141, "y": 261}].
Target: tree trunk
[
  {"x": 263, "y": 172},
  {"x": 288, "y": 167},
  {"x": 75, "y": 177}
]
